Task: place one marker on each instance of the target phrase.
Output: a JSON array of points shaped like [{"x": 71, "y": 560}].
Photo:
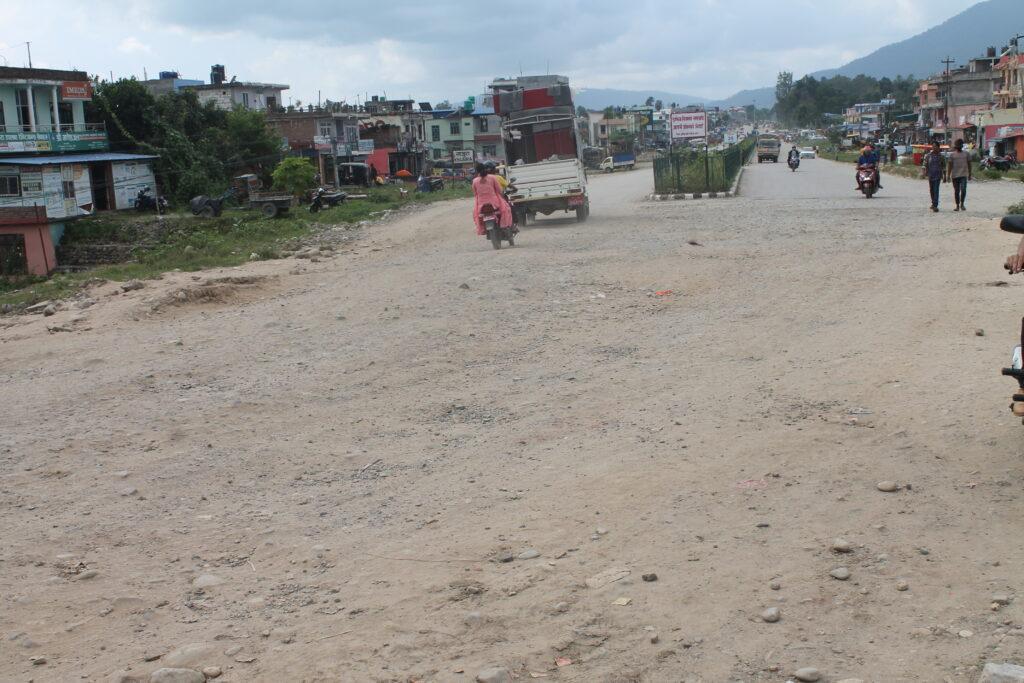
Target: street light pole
[{"x": 945, "y": 116}]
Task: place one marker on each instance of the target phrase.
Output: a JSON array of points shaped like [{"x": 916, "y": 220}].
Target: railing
[
  {"x": 700, "y": 171},
  {"x": 53, "y": 128}
]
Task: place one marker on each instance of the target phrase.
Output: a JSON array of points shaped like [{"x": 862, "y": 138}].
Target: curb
[{"x": 732, "y": 192}]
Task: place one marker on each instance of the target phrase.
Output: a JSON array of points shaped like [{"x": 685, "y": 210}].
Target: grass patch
[
  {"x": 180, "y": 241},
  {"x": 1017, "y": 208}
]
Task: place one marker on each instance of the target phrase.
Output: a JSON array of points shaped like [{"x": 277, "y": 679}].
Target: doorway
[{"x": 102, "y": 186}]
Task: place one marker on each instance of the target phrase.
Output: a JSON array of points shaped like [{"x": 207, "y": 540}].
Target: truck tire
[
  {"x": 582, "y": 213},
  {"x": 207, "y": 211},
  {"x": 269, "y": 210}
]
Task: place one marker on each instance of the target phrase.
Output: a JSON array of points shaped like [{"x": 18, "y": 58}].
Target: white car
[{"x": 807, "y": 154}]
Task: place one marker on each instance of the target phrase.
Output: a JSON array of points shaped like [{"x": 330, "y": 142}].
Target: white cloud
[{"x": 132, "y": 45}]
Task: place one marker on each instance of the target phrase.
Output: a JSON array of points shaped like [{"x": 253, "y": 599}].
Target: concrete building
[
  {"x": 168, "y": 82},
  {"x": 947, "y": 102},
  {"x": 43, "y": 110},
  {"x": 26, "y": 245},
  {"x": 228, "y": 94},
  {"x": 326, "y": 137}
]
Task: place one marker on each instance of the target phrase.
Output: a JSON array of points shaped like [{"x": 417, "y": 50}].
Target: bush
[
  {"x": 1017, "y": 208},
  {"x": 294, "y": 175},
  {"x": 992, "y": 174}
]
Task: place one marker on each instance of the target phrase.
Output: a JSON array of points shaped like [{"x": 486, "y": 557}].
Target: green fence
[{"x": 692, "y": 170}]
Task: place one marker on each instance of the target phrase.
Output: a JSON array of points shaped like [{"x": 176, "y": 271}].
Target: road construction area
[{"x": 704, "y": 440}]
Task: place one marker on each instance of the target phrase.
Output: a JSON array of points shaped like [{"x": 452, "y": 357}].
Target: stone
[
  {"x": 212, "y": 671},
  {"x": 902, "y": 585},
  {"x": 132, "y": 285},
  {"x": 771, "y": 615},
  {"x": 601, "y": 531},
  {"x": 232, "y": 651},
  {"x": 1002, "y": 673},
  {"x": 495, "y": 674},
  {"x": 851, "y": 680},
  {"x": 979, "y": 332},
  {"x": 506, "y": 557},
  {"x": 190, "y": 655},
  {"x": 965, "y": 633},
  {"x": 808, "y": 674},
  {"x": 473, "y": 619},
  {"x": 463, "y": 286},
  {"x": 841, "y": 545},
  {"x": 840, "y": 573},
  {"x": 49, "y": 310},
  {"x": 529, "y": 554},
  {"x": 1001, "y": 599},
  {"x": 206, "y": 581},
  {"x": 888, "y": 486},
  {"x": 130, "y": 491},
  {"x": 175, "y": 675},
  {"x": 245, "y": 659},
  {"x": 88, "y": 574},
  {"x": 775, "y": 585},
  {"x": 649, "y": 578}
]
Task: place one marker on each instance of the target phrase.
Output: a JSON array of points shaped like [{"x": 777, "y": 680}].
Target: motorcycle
[
  {"x": 144, "y": 201},
  {"x": 999, "y": 163},
  {"x": 867, "y": 179},
  {"x": 429, "y": 184},
  {"x": 208, "y": 207},
  {"x": 794, "y": 163},
  {"x": 325, "y": 200},
  {"x": 1015, "y": 224}
]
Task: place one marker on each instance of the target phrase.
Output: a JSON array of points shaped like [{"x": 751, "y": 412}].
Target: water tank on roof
[
  {"x": 168, "y": 74},
  {"x": 991, "y": 52},
  {"x": 217, "y": 74}
]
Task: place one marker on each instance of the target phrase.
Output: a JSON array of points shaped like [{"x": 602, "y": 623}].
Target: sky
[{"x": 450, "y": 49}]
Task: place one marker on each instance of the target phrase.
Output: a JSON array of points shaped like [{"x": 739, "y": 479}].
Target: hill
[{"x": 599, "y": 98}]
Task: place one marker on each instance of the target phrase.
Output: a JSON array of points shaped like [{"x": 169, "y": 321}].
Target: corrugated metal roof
[{"x": 73, "y": 158}]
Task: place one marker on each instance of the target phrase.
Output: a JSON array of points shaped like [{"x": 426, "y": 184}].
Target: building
[
  {"x": 393, "y": 133},
  {"x": 947, "y": 102},
  {"x": 487, "y": 140},
  {"x": 52, "y": 159},
  {"x": 228, "y": 94},
  {"x": 168, "y": 82},
  {"x": 1002, "y": 128},
  {"x": 26, "y": 245},
  {"x": 324, "y": 136}
]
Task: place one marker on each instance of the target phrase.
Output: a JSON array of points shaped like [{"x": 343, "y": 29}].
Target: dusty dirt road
[{"x": 314, "y": 471}]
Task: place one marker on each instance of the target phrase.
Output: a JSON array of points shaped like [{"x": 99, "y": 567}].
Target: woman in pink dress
[{"x": 487, "y": 190}]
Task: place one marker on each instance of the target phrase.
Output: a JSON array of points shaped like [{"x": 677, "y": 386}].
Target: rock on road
[{"x": 358, "y": 469}]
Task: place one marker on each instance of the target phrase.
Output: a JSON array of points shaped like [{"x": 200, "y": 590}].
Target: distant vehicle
[
  {"x": 593, "y": 156},
  {"x": 209, "y": 207},
  {"x": 768, "y": 147},
  {"x": 618, "y": 161},
  {"x": 807, "y": 154}
]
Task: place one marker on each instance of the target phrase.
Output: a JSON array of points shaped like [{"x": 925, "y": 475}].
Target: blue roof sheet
[{"x": 74, "y": 158}]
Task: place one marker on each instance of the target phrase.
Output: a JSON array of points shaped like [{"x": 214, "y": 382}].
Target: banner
[
  {"x": 689, "y": 125},
  {"x": 462, "y": 156},
  {"x": 76, "y": 90}
]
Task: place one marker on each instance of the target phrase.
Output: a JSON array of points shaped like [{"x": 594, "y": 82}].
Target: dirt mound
[{"x": 216, "y": 290}]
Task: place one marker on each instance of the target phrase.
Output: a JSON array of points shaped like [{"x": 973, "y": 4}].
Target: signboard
[
  {"x": 321, "y": 142},
  {"x": 366, "y": 146},
  {"x": 342, "y": 150},
  {"x": 1004, "y": 132},
  {"x": 53, "y": 142},
  {"x": 462, "y": 156},
  {"x": 75, "y": 90},
  {"x": 689, "y": 125}
]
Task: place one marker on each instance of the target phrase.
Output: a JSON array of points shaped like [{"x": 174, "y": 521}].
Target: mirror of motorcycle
[
  {"x": 512, "y": 179},
  {"x": 1012, "y": 224}
]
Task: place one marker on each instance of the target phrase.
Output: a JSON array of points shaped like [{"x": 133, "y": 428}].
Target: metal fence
[{"x": 691, "y": 170}]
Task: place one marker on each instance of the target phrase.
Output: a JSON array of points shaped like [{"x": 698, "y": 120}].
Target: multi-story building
[
  {"x": 168, "y": 82},
  {"x": 55, "y": 161},
  {"x": 326, "y": 137},
  {"x": 393, "y": 133},
  {"x": 947, "y": 102},
  {"x": 487, "y": 141}
]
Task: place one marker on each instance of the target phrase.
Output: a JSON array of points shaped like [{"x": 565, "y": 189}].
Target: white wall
[{"x": 129, "y": 177}]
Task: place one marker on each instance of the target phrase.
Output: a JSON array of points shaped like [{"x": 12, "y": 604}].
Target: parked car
[{"x": 807, "y": 154}]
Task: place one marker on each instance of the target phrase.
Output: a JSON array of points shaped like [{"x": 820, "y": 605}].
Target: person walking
[
  {"x": 934, "y": 169},
  {"x": 959, "y": 170}
]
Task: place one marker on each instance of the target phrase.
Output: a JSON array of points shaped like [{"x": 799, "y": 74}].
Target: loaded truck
[
  {"x": 618, "y": 161},
  {"x": 768, "y": 147},
  {"x": 542, "y": 146}
]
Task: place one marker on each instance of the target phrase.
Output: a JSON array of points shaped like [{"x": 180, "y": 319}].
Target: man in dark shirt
[
  {"x": 934, "y": 169},
  {"x": 869, "y": 157}
]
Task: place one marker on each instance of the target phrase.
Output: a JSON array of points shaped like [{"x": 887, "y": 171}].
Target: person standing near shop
[
  {"x": 959, "y": 170},
  {"x": 934, "y": 169}
]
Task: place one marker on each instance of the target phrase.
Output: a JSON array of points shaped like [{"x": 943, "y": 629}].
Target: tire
[
  {"x": 207, "y": 212},
  {"x": 869, "y": 192},
  {"x": 314, "y": 208},
  {"x": 496, "y": 238},
  {"x": 269, "y": 210},
  {"x": 582, "y": 213},
  {"x": 511, "y": 240}
]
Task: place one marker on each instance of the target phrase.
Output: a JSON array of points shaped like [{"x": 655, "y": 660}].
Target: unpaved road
[{"x": 312, "y": 472}]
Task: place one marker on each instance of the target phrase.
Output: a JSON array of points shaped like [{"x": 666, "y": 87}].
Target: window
[
  {"x": 483, "y": 124},
  {"x": 435, "y": 133},
  {"x": 10, "y": 185},
  {"x": 438, "y": 153},
  {"x": 490, "y": 150},
  {"x": 453, "y": 127},
  {"x": 67, "y": 115},
  {"x": 68, "y": 188},
  {"x": 325, "y": 129},
  {"x": 22, "y": 105},
  {"x": 245, "y": 100},
  {"x": 271, "y": 103}
]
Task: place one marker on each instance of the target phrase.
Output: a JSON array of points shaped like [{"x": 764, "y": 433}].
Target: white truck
[
  {"x": 542, "y": 147},
  {"x": 618, "y": 161}
]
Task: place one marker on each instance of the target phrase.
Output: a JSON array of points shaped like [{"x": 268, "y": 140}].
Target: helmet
[{"x": 490, "y": 165}]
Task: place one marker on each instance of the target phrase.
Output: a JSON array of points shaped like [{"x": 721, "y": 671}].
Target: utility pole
[
  {"x": 945, "y": 117},
  {"x": 28, "y": 46}
]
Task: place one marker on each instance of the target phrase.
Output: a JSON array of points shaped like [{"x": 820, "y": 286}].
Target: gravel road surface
[{"x": 416, "y": 458}]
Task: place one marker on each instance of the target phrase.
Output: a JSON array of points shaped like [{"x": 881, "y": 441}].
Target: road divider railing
[{"x": 699, "y": 171}]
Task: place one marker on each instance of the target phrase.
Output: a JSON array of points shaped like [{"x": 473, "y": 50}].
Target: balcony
[{"x": 67, "y": 137}]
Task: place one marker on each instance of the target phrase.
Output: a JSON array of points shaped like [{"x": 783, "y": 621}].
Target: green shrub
[
  {"x": 992, "y": 174},
  {"x": 294, "y": 175},
  {"x": 1017, "y": 208}
]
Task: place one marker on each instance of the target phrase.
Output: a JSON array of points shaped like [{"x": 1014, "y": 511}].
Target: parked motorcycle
[
  {"x": 999, "y": 163},
  {"x": 429, "y": 184},
  {"x": 208, "y": 207},
  {"x": 1015, "y": 224},
  {"x": 144, "y": 201},
  {"x": 322, "y": 199},
  {"x": 867, "y": 179}
]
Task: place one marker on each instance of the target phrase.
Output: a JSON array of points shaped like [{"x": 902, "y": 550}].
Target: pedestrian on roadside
[
  {"x": 934, "y": 169},
  {"x": 959, "y": 169}
]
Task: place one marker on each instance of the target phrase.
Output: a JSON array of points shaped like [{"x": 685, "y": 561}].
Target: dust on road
[{"x": 359, "y": 469}]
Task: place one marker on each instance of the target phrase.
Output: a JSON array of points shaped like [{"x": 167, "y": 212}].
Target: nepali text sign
[
  {"x": 76, "y": 90},
  {"x": 687, "y": 124},
  {"x": 54, "y": 142},
  {"x": 462, "y": 156}
]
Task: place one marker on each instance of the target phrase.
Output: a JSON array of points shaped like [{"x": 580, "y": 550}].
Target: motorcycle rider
[
  {"x": 793, "y": 154},
  {"x": 487, "y": 190},
  {"x": 869, "y": 157}
]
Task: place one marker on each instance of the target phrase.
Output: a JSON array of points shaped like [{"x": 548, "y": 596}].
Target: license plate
[{"x": 576, "y": 200}]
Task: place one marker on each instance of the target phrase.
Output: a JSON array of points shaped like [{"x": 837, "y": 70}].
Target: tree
[
  {"x": 581, "y": 111},
  {"x": 294, "y": 175},
  {"x": 658, "y": 105},
  {"x": 649, "y": 102},
  {"x": 609, "y": 112},
  {"x": 443, "y": 104},
  {"x": 783, "y": 85}
]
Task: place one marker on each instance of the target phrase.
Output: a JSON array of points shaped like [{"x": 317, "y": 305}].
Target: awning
[
  {"x": 1013, "y": 130},
  {"x": 73, "y": 159}
]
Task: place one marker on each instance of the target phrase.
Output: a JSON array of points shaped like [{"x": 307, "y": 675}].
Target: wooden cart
[{"x": 270, "y": 204}]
